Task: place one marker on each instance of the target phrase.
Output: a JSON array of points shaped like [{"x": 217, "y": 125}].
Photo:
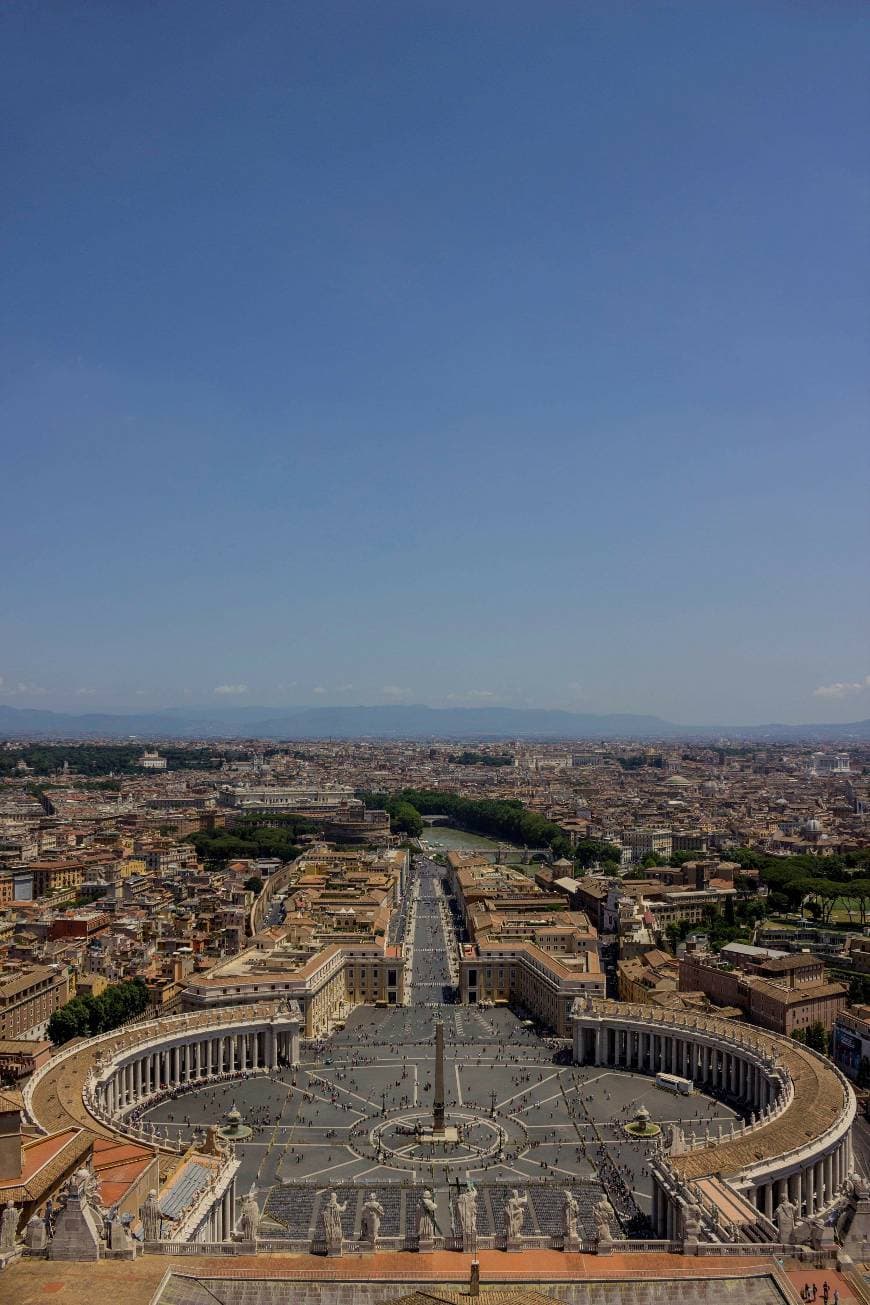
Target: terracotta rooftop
[{"x": 44, "y": 1161}]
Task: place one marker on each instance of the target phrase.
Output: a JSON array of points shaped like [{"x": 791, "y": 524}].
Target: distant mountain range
[{"x": 392, "y": 722}]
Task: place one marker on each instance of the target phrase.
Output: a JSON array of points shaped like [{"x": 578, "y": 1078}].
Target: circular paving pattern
[{"x": 405, "y": 1141}]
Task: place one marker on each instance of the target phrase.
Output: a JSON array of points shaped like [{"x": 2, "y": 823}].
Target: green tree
[
  {"x": 254, "y": 884},
  {"x": 815, "y": 1036},
  {"x": 82, "y": 1017}
]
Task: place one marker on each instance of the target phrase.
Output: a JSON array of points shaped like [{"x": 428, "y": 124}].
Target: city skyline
[{"x": 387, "y": 355}]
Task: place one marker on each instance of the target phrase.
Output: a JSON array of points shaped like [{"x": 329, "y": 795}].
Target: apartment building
[
  {"x": 521, "y": 974},
  {"x": 784, "y": 994},
  {"x": 651, "y": 978},
  {"x": 29, "y": 996},
  {"x": 850, "y": 1039},
  {"x": 326, "y": 983},
  {"x": 641, "y": 842}
]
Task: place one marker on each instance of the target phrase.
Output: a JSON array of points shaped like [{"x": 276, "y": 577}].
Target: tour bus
[{"x": 673, "y": 1083}]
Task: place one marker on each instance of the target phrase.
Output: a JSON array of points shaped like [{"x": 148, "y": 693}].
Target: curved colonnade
[
  {"x": 95, "y": 1084},
  {"x": 794, "y": 1140}
]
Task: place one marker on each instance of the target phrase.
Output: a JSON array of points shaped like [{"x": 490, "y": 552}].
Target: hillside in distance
[{"x": 393, "y": 722}]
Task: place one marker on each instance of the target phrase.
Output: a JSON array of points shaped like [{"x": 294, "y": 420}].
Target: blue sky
[{"x": 437, "y": 352}]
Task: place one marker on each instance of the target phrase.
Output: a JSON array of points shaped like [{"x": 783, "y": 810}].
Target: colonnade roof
[
  {"x": 57, "y": 1101},
  {"x": 820, "y": 1094},
  {"x": 818, "y": 1101}
]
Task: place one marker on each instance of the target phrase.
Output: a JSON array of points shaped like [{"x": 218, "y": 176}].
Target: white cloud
[
  {"x": 842, "y": 688},
  {"x": 318, "y": 689},
  {"x": 470, "y": 694},
  {"x": 231, "y": 690},
  {"x": 21, "y": 689},
  {"x": 394, "y": 691},
  {"x": 86, "y": 693},
  {"x": 343, "y": 688}
]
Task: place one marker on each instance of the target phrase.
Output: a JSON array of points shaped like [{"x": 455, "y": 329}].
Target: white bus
[{"x": 673, "y": 1083}]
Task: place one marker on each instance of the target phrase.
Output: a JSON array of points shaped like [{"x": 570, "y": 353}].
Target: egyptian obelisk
[{"x": 438, "y": 1104}]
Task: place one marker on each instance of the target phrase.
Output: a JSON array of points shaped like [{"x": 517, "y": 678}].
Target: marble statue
[
  {"x": 330, "y": 1217},
  {"x": 603, "y": 1213},
  {"x": 427, "y": 1222},
  {"x": 372, "y": 1214},
  {"x": 36, "y": 1234},
  {"x": 150, "y": 1216},
  {"x": 514, "y": 1215},
  {"x": 857, "y": 1186},
  {"x": 467, "y": 1207},
  {"x": 570, "y": 1213},
  {"x": 119, "y": 1239},
  {"x": 785, "y": 1217},
  {"x": 250, "y": 1215},
  {"x": 8, "y": 1226},
  {"x": 692, "y": 1222}
]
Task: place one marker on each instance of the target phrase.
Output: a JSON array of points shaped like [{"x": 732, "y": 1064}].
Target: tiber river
[{"x": 447, "y": 839}]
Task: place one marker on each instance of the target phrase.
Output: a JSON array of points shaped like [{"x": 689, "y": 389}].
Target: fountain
[
  {"x": 642, "y": 1125},
  {"x": 234, "y": 1130}
]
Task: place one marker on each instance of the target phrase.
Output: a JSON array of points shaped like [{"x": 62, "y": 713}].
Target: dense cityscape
[{"x": 369, "y": 995}]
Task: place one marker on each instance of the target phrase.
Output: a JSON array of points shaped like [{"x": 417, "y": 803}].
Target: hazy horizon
[
  {"x": 220, "y": 711},
  {"x": 388, "y": 353}
]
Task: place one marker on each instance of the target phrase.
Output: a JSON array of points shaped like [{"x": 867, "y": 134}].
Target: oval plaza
[{"x": 384, "y": 1113}]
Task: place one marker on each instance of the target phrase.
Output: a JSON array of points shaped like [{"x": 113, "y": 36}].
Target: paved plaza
[{"x": 346, "y": 1116}]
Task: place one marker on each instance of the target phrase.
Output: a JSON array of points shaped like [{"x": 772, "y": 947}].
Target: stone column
[
  {"x": 768, "y": 1200},
  {"x": 793, "y": 1184},
  {"x": 829, "y": 1178},
  {"x": 810, "y": 1189}
]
